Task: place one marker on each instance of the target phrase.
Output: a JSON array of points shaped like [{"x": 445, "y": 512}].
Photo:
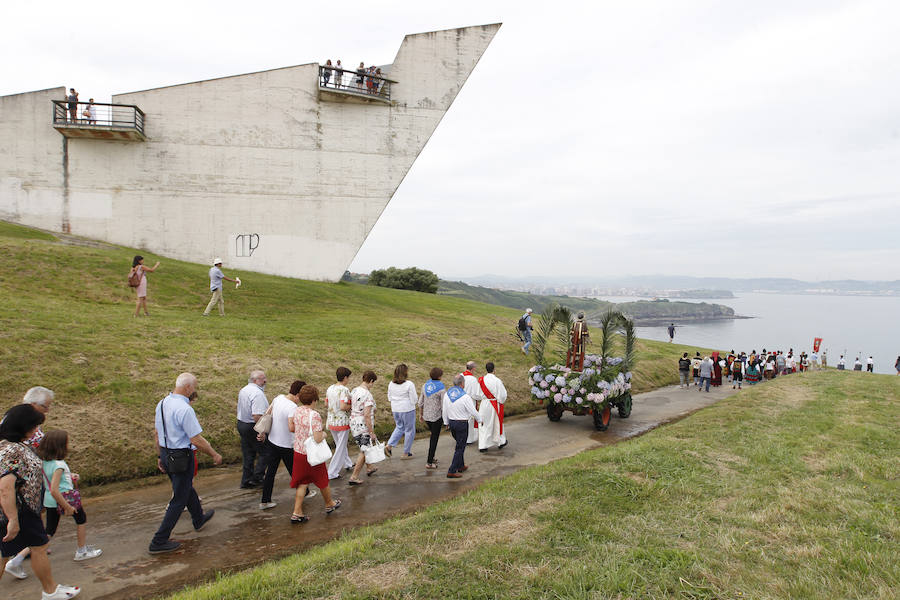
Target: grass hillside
[
  {"x": 66, "y": 314},
  {"x": 786, "y": 490}
]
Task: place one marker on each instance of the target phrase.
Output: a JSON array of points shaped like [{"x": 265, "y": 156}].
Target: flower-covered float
[{"x": 588, "y": 383}]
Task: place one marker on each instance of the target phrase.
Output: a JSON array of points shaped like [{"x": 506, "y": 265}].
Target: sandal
[
  {"x": 430, "y": 466},
  {"x": 297, "y": 519},
  {"x": 354, "y": 482},
  {"x": 371, "y": 472},
  {"x": 334, "y": 507},
  {"x": 387, "y": 450}
]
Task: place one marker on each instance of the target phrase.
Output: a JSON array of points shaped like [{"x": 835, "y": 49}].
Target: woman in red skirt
[{"x": 304, "y": 421}]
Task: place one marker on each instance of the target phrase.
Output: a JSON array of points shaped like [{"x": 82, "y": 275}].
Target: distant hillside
[{"x": 643, "y": 312}]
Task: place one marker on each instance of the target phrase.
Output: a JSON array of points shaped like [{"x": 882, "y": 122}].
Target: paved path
[{"x": 240, "y": 535}]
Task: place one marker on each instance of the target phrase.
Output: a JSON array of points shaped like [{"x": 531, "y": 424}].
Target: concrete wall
[{"x": 257, "y": 168}]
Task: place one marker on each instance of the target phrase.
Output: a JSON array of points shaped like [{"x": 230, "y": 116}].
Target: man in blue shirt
[
  {"x": 215, "y": 286},
  {"x": 177, "y": 428}
]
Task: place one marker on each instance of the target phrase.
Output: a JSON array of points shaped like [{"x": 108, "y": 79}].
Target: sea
[{"x": 849, "y": 325}]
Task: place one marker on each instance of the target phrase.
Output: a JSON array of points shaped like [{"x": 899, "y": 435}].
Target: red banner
[{"x": 816, "y": 343}]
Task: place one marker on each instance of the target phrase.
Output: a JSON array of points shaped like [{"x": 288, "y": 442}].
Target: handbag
[
  {"x": 73, "y": 497},
  {"x": 374, "y": 453},
  {"x": 178, "y": 460},
  {"x": 264, "y": 425},
  {"x": 316, "y": 452}
]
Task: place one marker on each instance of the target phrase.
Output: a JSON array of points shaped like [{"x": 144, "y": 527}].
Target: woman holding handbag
[
  {"x": 362, "y": 424},
  {"x": 308, "y": 435},
  {"x": 61, "y": 494}
]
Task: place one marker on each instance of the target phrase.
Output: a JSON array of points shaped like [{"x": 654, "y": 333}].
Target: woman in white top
[
  {"x": 403, "y": 397},
  {"x": 279, "y": 447}
]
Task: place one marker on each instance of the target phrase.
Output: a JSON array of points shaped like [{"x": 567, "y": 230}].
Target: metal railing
[
  {"x": 98, "y": 114},
  {"x": 355, "y": 81}
]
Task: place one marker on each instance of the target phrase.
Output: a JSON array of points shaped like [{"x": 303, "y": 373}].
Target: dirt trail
[{"x": 241, "y": 535}]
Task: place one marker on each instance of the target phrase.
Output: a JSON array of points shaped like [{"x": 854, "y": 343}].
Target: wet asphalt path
[{"x": 240, "y": 535}]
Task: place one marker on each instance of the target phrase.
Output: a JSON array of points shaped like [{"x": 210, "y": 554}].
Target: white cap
[
  {"x": 528, "y": 310},
  {"x": 218, "y": 261}
]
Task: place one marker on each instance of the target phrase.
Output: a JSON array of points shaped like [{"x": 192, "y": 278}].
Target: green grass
[
  {"x": 786, "y": 490},
  {"x": 66, "y": 323}
]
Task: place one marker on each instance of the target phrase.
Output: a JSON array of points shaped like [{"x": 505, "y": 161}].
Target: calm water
[{"x": 849, "y": 325}]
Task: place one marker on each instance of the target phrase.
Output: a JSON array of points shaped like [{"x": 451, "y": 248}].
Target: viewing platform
[
  {"x": 101, "y": 121},
  {"x": 350, "y": 85}
]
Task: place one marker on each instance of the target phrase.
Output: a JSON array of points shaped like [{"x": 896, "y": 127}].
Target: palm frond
[
  {"x": 563, "y": 320},
  {"x": 609, "y": 323},
  {"x": 630, "y": 332}
]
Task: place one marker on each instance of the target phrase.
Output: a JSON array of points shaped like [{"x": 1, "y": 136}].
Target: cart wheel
[
  {"x": 601, "y": 418},
  {"x": 625, "y": 407},
  {"x": 554, "y": 411}
]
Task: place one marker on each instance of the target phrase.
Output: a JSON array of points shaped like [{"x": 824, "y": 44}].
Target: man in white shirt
[
  {"x": 458, "y": 409},
  {"x": 471, "y": 388},
  {"x": 338, "y": 422},
  {"x": 215, "y": 287},
  {"x": 251, "y": 405},
  {"x": 870, "y": 365},
  {"x": 491, "y": 397}
]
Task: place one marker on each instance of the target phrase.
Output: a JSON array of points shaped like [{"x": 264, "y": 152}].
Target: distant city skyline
[{"x": 599, "y": 139}]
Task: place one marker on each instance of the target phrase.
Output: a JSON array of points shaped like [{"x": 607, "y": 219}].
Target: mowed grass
[
  {"x": 66, "y": 323},
  {"x": 786, "y": 490}
]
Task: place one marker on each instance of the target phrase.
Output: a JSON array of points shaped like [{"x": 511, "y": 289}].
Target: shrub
[{"x": 419, "y": 280}]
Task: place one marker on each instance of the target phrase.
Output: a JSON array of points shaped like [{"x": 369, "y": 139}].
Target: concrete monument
[{"x": 275, "y": 170}]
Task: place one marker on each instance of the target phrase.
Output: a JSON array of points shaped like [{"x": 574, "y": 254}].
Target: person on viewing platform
[
  {"x": 252, "y": 404},
  {"x": 215, "y": 286},
  {"x": 337, "y": 397},
  {"x": 684, "y": 370},
  {"x": 326, "y": 73},
  {"x": 92, "y": 119},
  {"x": 857, "y": 365},
  {"x": 362, "y": 424},
  {"x": 338, "y": 74},
  {"x": 431, "y": 403},
  {"x": 178, "y": 433},
  {"x": 706, "y": 372},
  {"x": 377, "y": 81},
  {"x": 360, "y": 76},
  {"x": 471, "y": 387},
  {"x": 21, "y": 484},
  {"x": 870, "y": 365},
  {"x": 307, "y": 423},
  {"x": 53, "y": 451},
  {"x": 370, "y": 81},
  {"x": 491, "y": 397},
  {"x": 72, "y": 99},
  {"x": 402, "y": 394},
  {"x": 278, "y": 446},
  {"x": 137, "y": 266},
  {"x": 458, "y": 409},
  {"x": 526, "y": 332}
]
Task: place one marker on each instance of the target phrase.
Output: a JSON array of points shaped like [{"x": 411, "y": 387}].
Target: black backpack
[{"x": 522, "y": 326}]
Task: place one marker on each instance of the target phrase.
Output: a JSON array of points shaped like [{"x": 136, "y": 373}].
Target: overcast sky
[{"x": 700, "y": 138}]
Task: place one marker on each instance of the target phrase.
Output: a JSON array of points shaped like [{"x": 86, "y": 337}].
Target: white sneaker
[
  {"x": 267, "y": 505},
  {"x": 62, "y": 592},
  {"x": 17, "y": 571},
  {"x": 88, "y": 553}
]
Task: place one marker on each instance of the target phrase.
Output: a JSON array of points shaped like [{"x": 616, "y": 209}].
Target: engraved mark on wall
[{"x": 245, "y": 244}]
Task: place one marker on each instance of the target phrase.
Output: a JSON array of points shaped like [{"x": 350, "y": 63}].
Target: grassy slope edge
[
  {"x": 787, "y": 490},
  {"x": 65, "y": 312}
]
